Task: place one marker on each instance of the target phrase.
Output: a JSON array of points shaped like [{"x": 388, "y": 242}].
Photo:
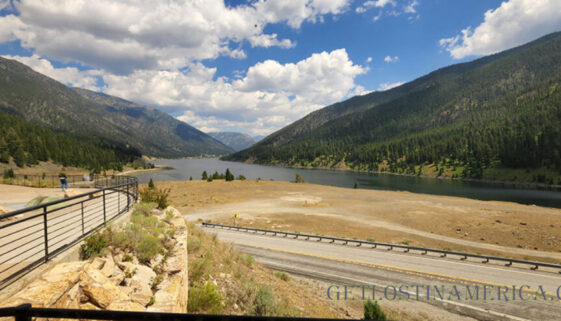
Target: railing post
[
  {"x": 104, "y": 212},
  {"x": 119, "y": 201},
  {"x": 45, "y": 233},
  {"x": 128, "y": 197},
  {"x": 23, "y": 312},
  {"x": 82, "y": 206}
]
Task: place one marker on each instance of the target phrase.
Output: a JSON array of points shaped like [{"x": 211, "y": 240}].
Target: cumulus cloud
[
  {"x": 390, "y": 59},
  {"x": 513, "y": 23},
  {"x": 69, "y": 76},
  {"x": 266, "y": 97},
  {"x": 369, "y": 59},
  {"x": 388, "y": 86},
  {"x": 129, "y": 35}
]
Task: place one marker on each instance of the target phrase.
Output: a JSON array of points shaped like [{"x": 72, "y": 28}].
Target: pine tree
[
  {"x": 19, "y": 156},
  {"x": 229, "y": 176},
  {"x": 204, "y": 176}
]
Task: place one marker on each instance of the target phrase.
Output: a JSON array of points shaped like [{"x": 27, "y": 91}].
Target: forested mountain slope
[
  {"x": 83, "y": 114},
  {"x": 500, "y": 111}
]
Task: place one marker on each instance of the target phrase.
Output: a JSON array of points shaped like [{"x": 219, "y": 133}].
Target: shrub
[
  {"x": 265, "y": 301},
  {"x": 205, "y": 298},
  {"x": 299, "y": 178},
  {"x": 193, "y": 244},
  {"x": 155, "y": 195},
  {"x": 169, "y": 215},
  {"x": 241, "y": 178},
  {"x": 93, "y": 246},
  {"x": 9, "y": 173},
  {"x": 373, "y": 311},
  {"x": 204, "y": 176},
  {"x": 148, "y": 248},
  {"x": 247, "y": 259},
  {"x": 143, "y": 208},
  {"x": 283, "y": 276},
  {"x": 151, "y": 184}
]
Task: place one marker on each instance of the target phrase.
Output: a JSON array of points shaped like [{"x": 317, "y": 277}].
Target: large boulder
[{"x": 125, "y": 306}]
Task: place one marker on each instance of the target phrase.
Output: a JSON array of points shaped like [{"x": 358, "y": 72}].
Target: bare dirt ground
[
  {"x": 17, "y": 195},
  {"x": 489, "y": 227}
]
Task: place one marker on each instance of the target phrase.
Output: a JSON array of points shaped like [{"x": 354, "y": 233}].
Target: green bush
[
  {"x": 247, "y": 259},
  {"x": 148, "y": 248},
  {"x": 373, "y": 311},
  {"x": 93, "y": 246},
  {"x": 143, "y": 208},
  {"x": 9, "y": 173},
  {"x": 155, "y": 195},
  {"x": 205, "y": 298},
  {"x": 299, "y": 178},
  {"x": 283, "y": 276},
  {"x": 265, "y": 304},
  {"x": 241, "y": 178}
]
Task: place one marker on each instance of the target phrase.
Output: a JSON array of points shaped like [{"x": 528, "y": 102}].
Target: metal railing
[
  {"x": 32, "y": 236},
  {"x": 25, "y": 312},
  {"x": 48, "y": 180},
  {"x": 389, "y": 246}
]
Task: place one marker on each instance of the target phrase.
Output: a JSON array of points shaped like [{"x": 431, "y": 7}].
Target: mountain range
[
  {"x": 234, "y": 140},
  {"x": 84, "y": 115},
  {"x": 499, "y": 111}
]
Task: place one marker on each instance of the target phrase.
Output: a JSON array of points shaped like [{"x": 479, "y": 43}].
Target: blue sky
[{"x": 256, "y": 66}]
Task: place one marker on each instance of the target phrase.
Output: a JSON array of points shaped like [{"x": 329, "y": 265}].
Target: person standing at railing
[{"x": 63, "y": 181}]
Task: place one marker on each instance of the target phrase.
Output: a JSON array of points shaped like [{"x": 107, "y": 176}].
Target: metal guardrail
[
  {"x": 25, "y": 312},
  {"x": 32, "y": 236},
  {"x": 47, "y": 180},
  {"x": 389, "y": 246}
]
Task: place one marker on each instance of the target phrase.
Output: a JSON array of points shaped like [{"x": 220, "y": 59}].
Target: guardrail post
[
  {"x": 104, "y": 211},
  {"x": 45, "y": 233},
  {"x": 128, "y": 197},
  {"x": 118, "y": 202}
]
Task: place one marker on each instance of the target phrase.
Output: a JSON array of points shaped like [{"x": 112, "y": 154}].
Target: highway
[{"x": 413, "y": 274}]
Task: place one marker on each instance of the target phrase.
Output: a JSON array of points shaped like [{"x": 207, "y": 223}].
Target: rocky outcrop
[{"x": 109, "y": 283}]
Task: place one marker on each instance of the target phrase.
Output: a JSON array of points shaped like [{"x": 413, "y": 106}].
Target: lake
[{"x": 185, "y": 168}]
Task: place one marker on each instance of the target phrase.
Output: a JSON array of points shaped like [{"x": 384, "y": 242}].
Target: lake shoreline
[{"x": 504, "y": 183}]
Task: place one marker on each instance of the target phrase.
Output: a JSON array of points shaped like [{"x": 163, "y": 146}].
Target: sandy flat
[{"x": 490, "y": 227}]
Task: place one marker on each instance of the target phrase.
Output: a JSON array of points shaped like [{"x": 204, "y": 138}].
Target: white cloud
[
  {"x": 68, "y": 75},
  {"x": 410, "y": 8},
  {"x": 389, "y": 7},
  {"x": 269, "y": 96},
  {"x": 390, "y": 59},
  {"x": 513, "y": 23},
  {"x": 369, "y": 60},
  {"x": 128, "y": 35},
  {"x": 387, "y": 86}
]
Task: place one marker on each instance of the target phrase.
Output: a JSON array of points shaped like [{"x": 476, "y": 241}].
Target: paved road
[{"x": 351, "y": 265}]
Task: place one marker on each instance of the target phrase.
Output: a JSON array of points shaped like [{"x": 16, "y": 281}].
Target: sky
[{"x": 257, "y": 66}]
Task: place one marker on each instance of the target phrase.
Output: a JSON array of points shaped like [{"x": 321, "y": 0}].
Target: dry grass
[
  {"x": 241, "y": 284},
  {"x": 397, "y": 217}
]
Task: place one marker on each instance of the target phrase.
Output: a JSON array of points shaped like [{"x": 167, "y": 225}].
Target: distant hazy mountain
[
  {"x": 259, "y": 137},
  {"x": 46, "y": 102},
  {"x": 499, "y": 111},
  {"x": 236, "y": 141}
]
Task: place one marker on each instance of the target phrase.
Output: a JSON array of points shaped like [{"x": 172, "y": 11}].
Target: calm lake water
[{"x": 185, "y": 168}]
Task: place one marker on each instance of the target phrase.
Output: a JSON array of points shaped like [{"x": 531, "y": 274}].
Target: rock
[
  {"x": 98, "y": 263},
  {"x": 155, "y": 261},
  {"x": 3, "y": 210},
  {"x": 466, "y": 234},
  {"x": 458, "y": 229},
  {"x": 70, "y": 299},
  {"x": 141, "y": 292},
  {"x": 88, "y": 306},
  {"x": 170, "y": 243},
  {"x": 522, "y": 223},
  {"x": 65, "y": 271},
  {"x": 498, "y": 221},
  {"x": 45, "y": 292},
  {"x": 98, "y": 295},
  {"x": 117, "y": 277},
  {"x": 92, "y": 275},
  {"x": 109, "y": 266},
  {"x": 71, "y": 192},
  {"x": 125, "y": 306}
]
